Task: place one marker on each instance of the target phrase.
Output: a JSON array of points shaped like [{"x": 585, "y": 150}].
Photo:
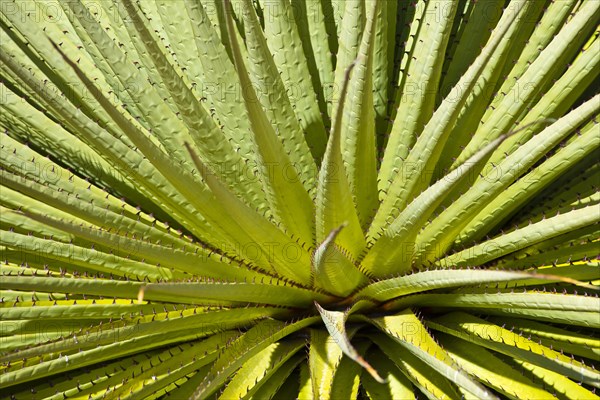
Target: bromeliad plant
[{"x": 314, "y": 200}]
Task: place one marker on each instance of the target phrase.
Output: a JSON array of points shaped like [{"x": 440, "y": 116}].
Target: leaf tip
[{"x": 141, "y": 292}]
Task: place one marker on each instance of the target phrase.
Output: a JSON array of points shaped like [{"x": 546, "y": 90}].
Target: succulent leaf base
[{"x": 300, "y": 199}]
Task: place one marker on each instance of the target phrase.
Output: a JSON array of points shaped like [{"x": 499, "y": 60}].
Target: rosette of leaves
[{"x": 299, "y": 199}]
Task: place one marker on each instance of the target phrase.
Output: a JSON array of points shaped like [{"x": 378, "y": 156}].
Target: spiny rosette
[{"x": 299, "y": 199}]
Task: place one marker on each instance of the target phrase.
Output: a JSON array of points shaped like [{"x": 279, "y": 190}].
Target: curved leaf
[
  {"x": 335, "y": 322},
  {"x": 284, "y": 171},
  {"x": 496, "y": 338},
  {"x": 406, "y": 329},
  {"x": 333, "y": 271},
  {"x": 333, "y": 191},
  {"x": 491, "y": 370},
  {"x": 256, "y": 339},
  {"x": 259, "y": 369}
]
